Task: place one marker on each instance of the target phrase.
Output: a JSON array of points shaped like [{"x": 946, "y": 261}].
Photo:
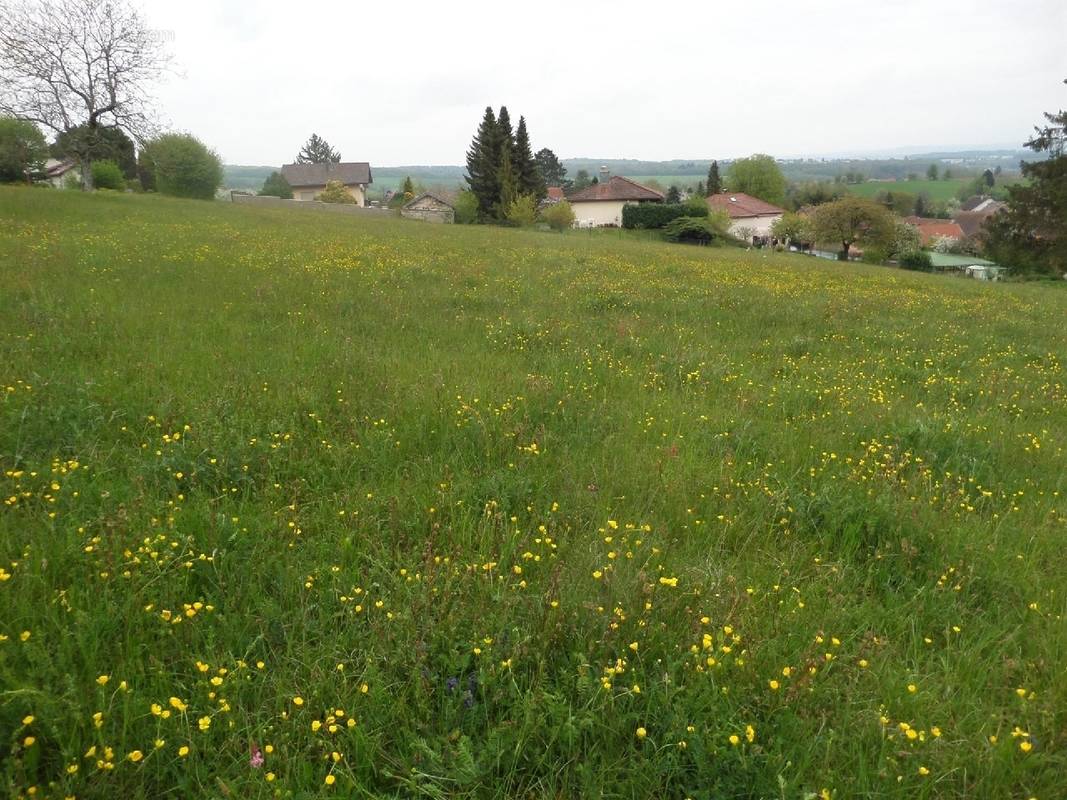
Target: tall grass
[{"x": 300, "y": 505}]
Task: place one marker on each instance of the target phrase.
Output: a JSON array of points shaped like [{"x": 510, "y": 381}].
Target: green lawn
[
  {"x": 408, "y": 510},
  {"x": 938, "y": 190}
]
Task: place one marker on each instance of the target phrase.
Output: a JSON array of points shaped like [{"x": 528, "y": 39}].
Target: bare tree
[{"x": 76, "y": 66}]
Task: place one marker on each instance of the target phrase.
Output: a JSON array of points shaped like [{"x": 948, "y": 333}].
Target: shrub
[
  {"x": 522, "y": 210},
  {"x": 875, "y": 255},
  {"x": 698, "y": 206},
  {"x": 182, "y": 166},
  {"x": 335, "y": 192},
  {"x": 559, "y": 216},
  {"x": 108, "y": 175},
  {"x": 277, "y": 186},
  {"x": 917, "y": 260},
  {"x": 653, "y": 215},
  {"x": 466, "y": 207},
  {"x": 689, "y": 229}
]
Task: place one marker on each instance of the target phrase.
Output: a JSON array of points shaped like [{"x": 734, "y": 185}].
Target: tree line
[{"x": 501, "y": 167}]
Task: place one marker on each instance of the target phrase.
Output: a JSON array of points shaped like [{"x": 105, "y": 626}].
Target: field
[
  {"x": 300, "y": 506},
  {"x": 937, "y": 190}
]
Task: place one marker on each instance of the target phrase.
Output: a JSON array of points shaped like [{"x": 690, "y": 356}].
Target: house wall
[
  {"x": 759, "y": 226},
  {"x": 309, "y": 205},
  {"x": 309, "y": 193},
  {"x": 597, "y": 213},
  {"x": 60, "y": 181}
]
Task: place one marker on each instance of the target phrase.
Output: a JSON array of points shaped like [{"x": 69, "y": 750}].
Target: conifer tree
[
  {"x": 483, "y": 159},
  {"x": 529, "y": 176},
  {"x": 506, "y": 176},
  {"x": 317, "y": 150},
  {"x": 714, "y": 181}
]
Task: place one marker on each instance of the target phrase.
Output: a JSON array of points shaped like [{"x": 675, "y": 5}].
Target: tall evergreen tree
[
  {"x": 714, "y": 181},
  {"x": 506, "y": 175},
  {"x": 529, "y": 176},
  {"x": 1030, "y": 236},
  {"x": 316, "y": 150},
  {"x": 483, "y": 160}
]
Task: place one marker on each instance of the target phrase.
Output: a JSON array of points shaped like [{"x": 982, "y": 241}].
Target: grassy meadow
[
  {"x": 301, "y": 505},
  {"x": 938, "y": 191}
]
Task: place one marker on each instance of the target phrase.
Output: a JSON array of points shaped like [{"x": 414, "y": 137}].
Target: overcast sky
[{"x": 400, "y": 83}]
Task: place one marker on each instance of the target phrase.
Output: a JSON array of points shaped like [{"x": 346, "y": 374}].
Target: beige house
[
  {"x": 308, "y": 180},
  {"x": 429, "y": 208},
  {"x": 749, "y": 216},
  {"x": 600, "y": 205}
]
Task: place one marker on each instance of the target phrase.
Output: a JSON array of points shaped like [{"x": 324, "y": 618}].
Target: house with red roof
[
  {"x": 930, "y": 230},
  {"x": 600, "y": 205},
  {"x": 749, "y": 216}
]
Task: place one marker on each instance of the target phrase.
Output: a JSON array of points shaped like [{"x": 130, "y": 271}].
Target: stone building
[{"x": 429, "y": 208}]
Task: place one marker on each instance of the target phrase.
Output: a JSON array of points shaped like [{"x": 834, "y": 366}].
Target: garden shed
[{"x": 429, "y": 208}]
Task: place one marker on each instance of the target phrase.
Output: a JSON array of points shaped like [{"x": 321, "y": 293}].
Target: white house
[
  {"x": 601, "y": 204},
  {"x": 749, "y": 216},
  {"x": 308, "y": 180},
  {"x": 56, "y": 172}
]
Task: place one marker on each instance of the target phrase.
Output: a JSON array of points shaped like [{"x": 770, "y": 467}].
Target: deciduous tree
[
  {"x": 853, "y": 220},
  {"x": 67, "y": 64},
  {"x": 759, "y": 176},
  {"x": 22, "y": 150}
]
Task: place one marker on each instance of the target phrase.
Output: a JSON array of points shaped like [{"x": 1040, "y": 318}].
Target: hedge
[{"x": 653, "y": 215}]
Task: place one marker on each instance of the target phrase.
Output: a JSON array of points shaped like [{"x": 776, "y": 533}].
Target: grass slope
[{"x": 299, "y": 505}]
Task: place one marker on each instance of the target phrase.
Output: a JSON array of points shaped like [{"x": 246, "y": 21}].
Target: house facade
[
  {"x": 750, "y": 217},
  {"x": 601, "y": 204},
  {"x": 931, "y": 230},
  {"x": 57, "y": 172},
  {"x": 308, "y": 180},
  {"x": 428, "y": 207}
]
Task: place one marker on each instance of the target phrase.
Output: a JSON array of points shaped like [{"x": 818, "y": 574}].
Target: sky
[{"x": 405, "y": 83}]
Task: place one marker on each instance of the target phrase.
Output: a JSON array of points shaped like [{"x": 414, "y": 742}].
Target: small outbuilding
[{"x": 429, "y": 207}]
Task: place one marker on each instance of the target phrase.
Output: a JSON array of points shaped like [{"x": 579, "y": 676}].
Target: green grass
[
  {"x": 504, "y": 498},
  {"x": 938, "y": 190}
]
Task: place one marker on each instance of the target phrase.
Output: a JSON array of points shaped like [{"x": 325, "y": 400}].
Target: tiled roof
[
  {"x": 555, "y": 193},
  {"x": 616, "y": 188},
  {"x": 348, "y": 173},
  {"x": 934, "y": 228},
  {"x": 739, "y": 205}
]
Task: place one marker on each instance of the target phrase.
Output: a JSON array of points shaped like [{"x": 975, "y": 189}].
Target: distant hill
[{"x": 685, "y": 172}]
